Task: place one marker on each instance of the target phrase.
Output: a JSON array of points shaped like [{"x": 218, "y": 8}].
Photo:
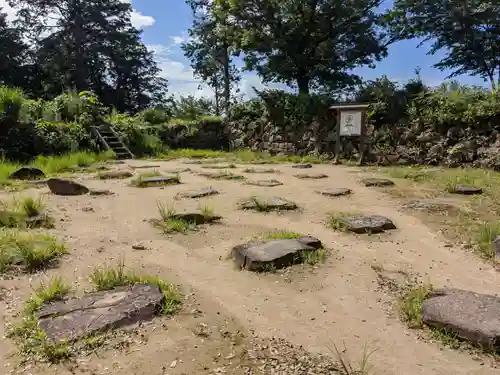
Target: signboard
[{"x": 350, "y": 122}]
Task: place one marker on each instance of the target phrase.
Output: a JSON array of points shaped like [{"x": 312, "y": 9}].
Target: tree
[
  {"x": 467, "y": 31},
  {"x": 308, "y": 44},
  {"x": 12, "y": 51},
  {"x": 191, "y": 108},
  {"x": 90, "y": 45},
  {"x": 210, "y": 52}
]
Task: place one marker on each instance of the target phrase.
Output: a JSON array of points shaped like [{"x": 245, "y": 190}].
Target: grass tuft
[
  {"x": 29, "y": 336},
  {"x": 172, "y": 222},
  {"x": 223, "y": 175},
  {"x": 20, "y": 251},
  {"x": 345, "y": 365},
  {"x": 140, "y": 181},
  {"x": 410, "y": 305},
  {"x": 24, "y": 213},
  {"x": 336, "y": 220},
  {"x": 108, "y": 278}
]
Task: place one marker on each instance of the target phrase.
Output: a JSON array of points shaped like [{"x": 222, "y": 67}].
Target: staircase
[{"x": 111, "y": 141}]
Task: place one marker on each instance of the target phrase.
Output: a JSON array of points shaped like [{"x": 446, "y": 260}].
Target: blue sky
[{"x": 165, "y": 24}]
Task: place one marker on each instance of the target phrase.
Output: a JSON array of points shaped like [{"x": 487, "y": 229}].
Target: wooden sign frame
[{"x": 359, "y": 108}]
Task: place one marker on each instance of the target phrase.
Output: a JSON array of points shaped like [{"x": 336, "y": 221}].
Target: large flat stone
[
  {"x": 265, "y": 183},
  {"x": 467, "y": 190},
  {"x": 368, "y": 224},
  {"x": 335, "y": 192},
  {"x": 311, "y": 176},
  {"x": 113, "y": 175},
  {"x": 204, "y": 192},
  {"x": 27, "y": 173},
  {"x": 377, "y": 182},
  {"x": 158, "y": 181},
  {"x": 472, "y": 316},
  {"x": 196, "y": 218},
  {"x": 267, "y": 204},
  {"x": 277, "y": 253},
  {"x": 423, "y": 205},
  {"x": 79, "y": 317},
  {"x": 61, "y": 186},
  {"x": 302, "y": 166}
]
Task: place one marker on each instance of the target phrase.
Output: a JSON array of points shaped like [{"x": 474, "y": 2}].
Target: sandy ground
[{"x": 337, "y": 302}]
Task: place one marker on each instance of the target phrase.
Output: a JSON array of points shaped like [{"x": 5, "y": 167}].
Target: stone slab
[
  {"x": 61, "y": 186},
  {"x": 196, "y": 218},
  {"x": 79, "y": 317},
  {"x": 271, "y": 204},
  {"x": 114, "y": 175},
  {"x": 368, "y": 224},
  {"x": 265, "y": 183},
  {"x": 310, "y": 176},
  {"x": 277, "y": 253},
  {"x": 334, "y": 192},
  {"x": 159, "y": 180},
  {"x": 27, "y": 173},
  {"x": 472, "y": 316},
  {"x": 467, "y": 190},
  {"x": 377, "y": 182},
  {"x": 200, "y": 193},
  {"x": 423, "y": 205},
  {"x": 302, "y": 166}
]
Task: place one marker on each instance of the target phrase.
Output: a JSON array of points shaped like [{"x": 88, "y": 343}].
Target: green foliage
[
  {"x": 11, "y": 101},
  {"x": 455, "y": 27},
  {"x": 191, "y": 108}
]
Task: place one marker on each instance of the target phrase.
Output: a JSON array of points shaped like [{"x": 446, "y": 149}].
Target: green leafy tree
[
  {"x": 210, "y": 52},
  {"x": 309, "y": 44},
  {"x": 89, "y": 45},
  {"x": 12, "y": 53},
  {"x": 191, "y": 108},
  {"x": 467, "y": 31}
]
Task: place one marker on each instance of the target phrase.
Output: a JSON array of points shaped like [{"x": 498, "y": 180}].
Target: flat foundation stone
[
  {"x": 276, "y": 253},
  {"x": 310, "y": 176},
  {"x": 427, "y": 206},
  {"x": 467, "y": 190},
  {"x": 368, "y": 224},
  {"x": 302, "y": 166},
  {"x": 79, "y": 317},
  {"x": 267, "y": 204},
  {"x": 472, "y": 316},
  {"x": 114, "y": 175},
  {"x": 61, "y": 186},
  {"x": 377, "y": 182},
  {"x": 204, "y": 192},
  {"x": 196, "y": 218},
  {"x": 335, "y": 192},
  {"x": 265, "y": 183},
  {"x": 158, "y": 181}
]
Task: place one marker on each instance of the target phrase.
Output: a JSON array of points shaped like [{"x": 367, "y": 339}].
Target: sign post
[{"x": 351, "y": 122}]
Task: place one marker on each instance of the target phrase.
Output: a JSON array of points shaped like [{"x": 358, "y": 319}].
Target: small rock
[
  {"x": 368, "y": 224},
  {"x": 277, "y": 253},
  {"x": 378, "y": 182},
  {"x": 267, "y": 204},
  {"x": 472, "y": 316},
  {"x": 302, "y": 166},
  {"x": 467, "y": 190},
  {"x": 115, "y": 175},
  {"x": 202, "y": 330},
  {"x": 335, "y": 192},
  {"x": 139, "y": 246},
  {"x": 60, "y": 186},
  {"x": 312, "y": 176},
  {"x": 266, "y": 183},
  {"x": 495, "y": 245},
  {"x": 204, "y": 192},
  {"x": 27, "y": 173}
]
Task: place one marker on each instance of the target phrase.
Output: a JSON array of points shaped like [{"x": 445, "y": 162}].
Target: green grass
[
  {"x": 345, "y": 365},
  {"x": 280, "y": 234},
  {"x": 53, "y": 165},
  {"x": 336, "y": 220},
  {"x": 24, "y": 212},
  {"x": 410, "y": 305},
  {"x": 29, "y": 336},
  {"x": 28, "y": 252},
  {"x": 107, "y": 278}
]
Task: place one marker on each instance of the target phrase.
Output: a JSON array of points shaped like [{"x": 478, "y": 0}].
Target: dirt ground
[{"x": 338, "y": 302}]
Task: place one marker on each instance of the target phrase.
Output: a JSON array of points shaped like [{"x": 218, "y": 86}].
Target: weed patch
[
  {"x": 223, "y": 175},
  {"x": 108, "y": 278},
  {"x": 410, "y": 305},
  {"x": 28, "y": 253},
  {"x": 155, "y": 178},
  {"x": 336, "y": 220},
  {"x": 24, "y": 213},
  {"x": 172, "y": 222}
]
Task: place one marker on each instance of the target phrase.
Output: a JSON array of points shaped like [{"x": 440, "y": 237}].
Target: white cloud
[
  {"x": 11, "y": 16},
  {"x": 179, "y": 39},
  {"x": 141, "y": 21}
]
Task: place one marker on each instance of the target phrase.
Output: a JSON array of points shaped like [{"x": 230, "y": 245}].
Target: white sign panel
[{"x": 350, "y": 123}]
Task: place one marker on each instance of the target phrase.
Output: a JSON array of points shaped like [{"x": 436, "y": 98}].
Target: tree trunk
[
  {"x": 303, "y": 84},
  {"x": 78, "y": 36},
  {"x": 227, "y": 80},
  {"x": 217, "y": 95}
]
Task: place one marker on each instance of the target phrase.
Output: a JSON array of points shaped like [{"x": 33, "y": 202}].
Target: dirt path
[{"x": 336, "y": 302}]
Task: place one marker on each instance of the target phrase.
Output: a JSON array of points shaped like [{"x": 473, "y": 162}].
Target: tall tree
[
  {"x": 12, "y": 51},
  {"x": 309, "y": 44},
  {"x": 90, "y": 45},
  {"x": 210, "y": 51},
  {"x": 468, "y": 31}
]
